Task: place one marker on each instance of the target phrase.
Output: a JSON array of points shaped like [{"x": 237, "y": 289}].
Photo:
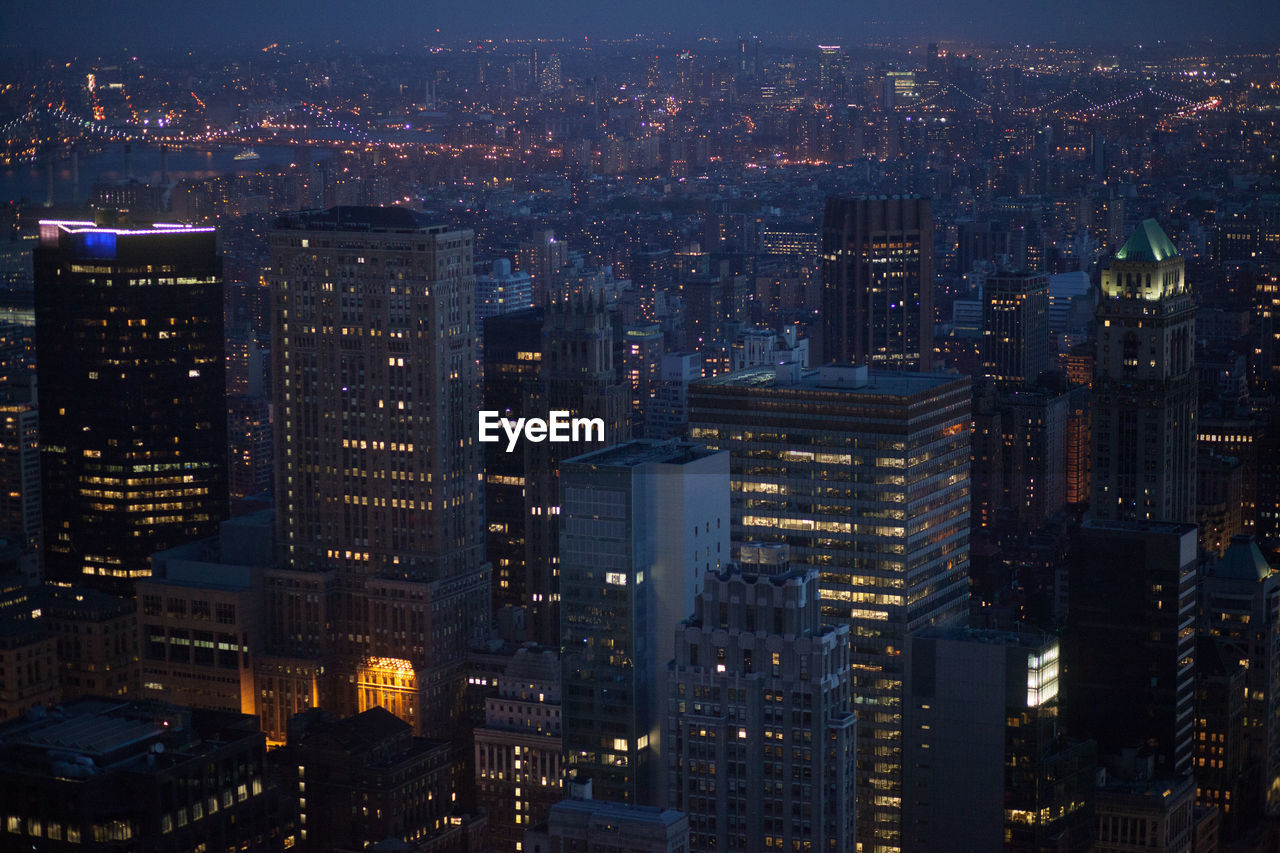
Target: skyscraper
[
  {"x": 865, "y": 475},
  {"x": 511, "y": 364},
  {"x": 1015, "y": 327},
  {"x": 378, "y": 468},
  {"x": 982, "y": 706},
  {"x": 1145, "y": 386},
  {"x": 1240, "y": 605},
  {"x": 542, "y": 257},
  {"x": 642, "y": 525},
  {"x": 20, "y": 518},
  {"x": 830, "y": 74},
  {"x": 759, "y": 698},
  {"x": 577, "y": 375},
  {"x": 668, "y": 415},
  {"x": 502, "y": 291},
  {"x": 652, "y": 270},
  {"x": 1130, "y": 639},
  {"x": 518, "y": 752},
  {"x": 877, "y": 280},
  {"x": 133, "y": 419}
]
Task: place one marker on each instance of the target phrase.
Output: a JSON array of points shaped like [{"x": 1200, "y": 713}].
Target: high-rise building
[
  {"x": 501, "y": 291},
  {"x": 1130, "y": 639},
  {"x": 250, "y": 446},
  {"x": 983, "y": 707},
  {"x": 519, "y": 751},
  {"x": 865, "y": 475},
  {"x": 512, "y": 360},
  {"x": 367, "y": 778},
  {"x": 133, "y": 419},
  {"x": 200, "y": 618},
  {"x": 1226, "y": 772},
  {"x": 542, "y": 257},
  {"x": 20, "y": 510},
  {"x": 877, "y": 280},
  {"x": 97, "y": 636},
  {"x": 1144, "y": 387},
  {"x": 21, "y": 521},
  {"x": 1021, "y": 464},
  {"x": 1071, "y": 310},
  {"x": 29, "y": 673},
  {"x": 668, "y": 415},
  {"x": 642, "y": 354},
  {"x": 830, "y": 73},
  {"x": 759, "y": 698},
  {"x": 136, "y": 776},
  {"x": 549, "y": 80},
  {"x": 577, "y": 375},
  {"x": 1242, "y": 439},
  {"x": 378, "y": 471},
  {"x": 642, "y": 525},
  {"x": 1015, "y": 326},
  {"x": 652, "y": 270},
  {"x": 1240, "y": 606},
  {"x": 17, "y": 361}
]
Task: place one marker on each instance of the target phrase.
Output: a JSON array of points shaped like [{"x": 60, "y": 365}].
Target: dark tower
[
  {"x": 133, "y": 420},
  {"x": 1129, "y": 644},
  {"x": 578, "y": 376},
  {"x": 1015, "y": 315},
  {"x": 877, "y": 279},
  {"x": 512, "y": 359}
]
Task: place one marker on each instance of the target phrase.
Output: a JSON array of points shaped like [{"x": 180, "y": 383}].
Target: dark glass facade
[
  {"x": 877, "y": 282},
  {"x": 129, "y": 341}
]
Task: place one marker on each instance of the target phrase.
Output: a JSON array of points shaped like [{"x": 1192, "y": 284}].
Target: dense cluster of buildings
[{"x": 927, "y": 510}]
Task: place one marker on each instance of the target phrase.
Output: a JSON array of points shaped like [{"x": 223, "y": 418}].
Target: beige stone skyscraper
[
  {"x": 1145, "y": 390},
  {"x": 379, "y": 506}
]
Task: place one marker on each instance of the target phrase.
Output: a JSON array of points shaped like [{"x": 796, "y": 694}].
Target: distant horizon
[{"x": 74, "y": 27}]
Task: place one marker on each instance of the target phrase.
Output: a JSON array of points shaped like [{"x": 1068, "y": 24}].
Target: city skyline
[{"x": 930, "y": 495}]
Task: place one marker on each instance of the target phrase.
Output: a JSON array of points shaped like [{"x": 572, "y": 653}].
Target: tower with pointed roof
[{"x": 1145, "y": 390}]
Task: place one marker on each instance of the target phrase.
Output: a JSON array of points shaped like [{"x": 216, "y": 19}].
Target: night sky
[{"x": 103, "y": 25}]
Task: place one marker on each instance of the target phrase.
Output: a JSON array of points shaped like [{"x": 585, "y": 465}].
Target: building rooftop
[
  {"x": 351, "y": 218},
  {"x": 1243, "y": 560},
  {"x": 80, "y": 226},
  {"x": 1028, "y": 639},
  {"x": 98, "y": 733},
  {"x": 1148, "y": 243},
  {"x": 644, "y": 451},
  {"x": 1131, "y": 526},
  {"x": 621, "y": 812},
  {"x": 854, "y": 380}
]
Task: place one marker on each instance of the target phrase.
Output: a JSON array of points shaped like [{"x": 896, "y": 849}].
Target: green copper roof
[
  {"x": 1148, "y": 243},
  {"x": 1243, "y": 560}
]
